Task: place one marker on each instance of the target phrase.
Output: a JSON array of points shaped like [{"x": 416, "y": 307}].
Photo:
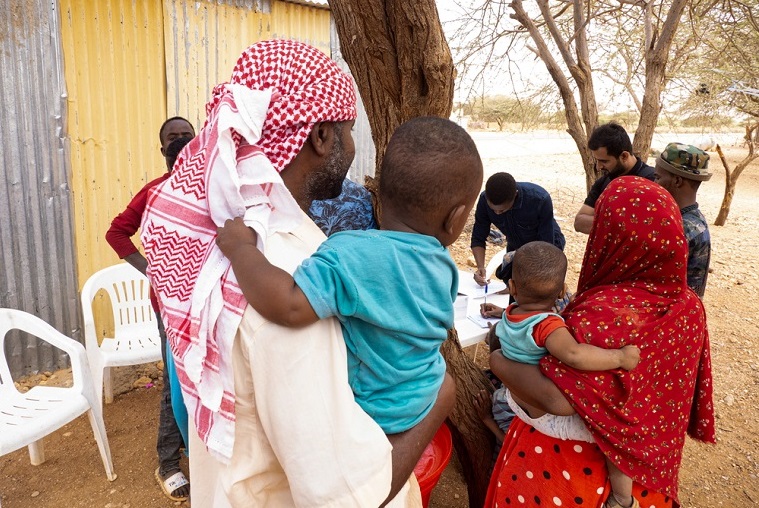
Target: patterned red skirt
[{"x": 536, "y": 470}]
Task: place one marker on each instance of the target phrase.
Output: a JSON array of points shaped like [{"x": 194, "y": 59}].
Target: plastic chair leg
[
  {"x": 107, "y": 386},
  {"x": 98, "y": 428},
  {"x": 37, "y": 452},
  {"x": 97, "y": 381}
]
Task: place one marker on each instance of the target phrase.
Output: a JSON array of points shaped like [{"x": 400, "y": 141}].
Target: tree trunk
[
  {"x": 474, "y": 443},
  {"x": 578, "y": 125},
  {"x": 727, "y": 199},
  {"x": 399, "y": 57},
  {"x": 731, "y": 177},
  {"x": 657, "y": 53}
]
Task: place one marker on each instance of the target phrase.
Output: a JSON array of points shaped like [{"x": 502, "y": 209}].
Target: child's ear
[
  {"x": 454, "y": 219},
  {"x": 512, "y": 288}
]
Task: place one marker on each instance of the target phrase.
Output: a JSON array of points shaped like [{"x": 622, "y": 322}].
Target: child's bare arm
[
  {"x": 563, "y": 346},
  {"x": 268, "y": 289},
  {"x": 527, "y": 383}
]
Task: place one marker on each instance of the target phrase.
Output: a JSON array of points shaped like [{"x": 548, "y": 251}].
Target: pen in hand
[{"x": 486, "y": 293}]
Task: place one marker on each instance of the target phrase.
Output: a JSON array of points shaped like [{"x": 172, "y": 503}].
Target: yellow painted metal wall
[
  {"x": 115, "y": 79},
  {"x": 203, "y": 40},
  {"x": 302, "y": 23},
  {"x": 130, "y": 64}
]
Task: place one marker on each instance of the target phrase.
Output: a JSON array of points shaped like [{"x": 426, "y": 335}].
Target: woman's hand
[
  {"x": 527, "y": 383},
  {"x": 233, "y": 235},
  {"x": 488, "y": 310}
]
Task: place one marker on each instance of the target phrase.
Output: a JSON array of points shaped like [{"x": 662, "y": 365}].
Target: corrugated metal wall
[
  {"x": 115, "y": 75},
  {"x": 203, "y": 41},
  {"x": 36, "y": 244},
  {"x": 72, "y": 162}
]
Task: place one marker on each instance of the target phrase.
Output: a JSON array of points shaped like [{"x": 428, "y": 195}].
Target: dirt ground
[{"x": 724, "y": 474}]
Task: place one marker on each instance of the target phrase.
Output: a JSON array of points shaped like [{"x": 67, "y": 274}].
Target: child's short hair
[
  {"x": 428, "y": 165},
  {"x": 539, "y": 269}
]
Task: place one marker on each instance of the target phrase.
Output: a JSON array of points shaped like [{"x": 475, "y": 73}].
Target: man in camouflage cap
[{"x": 680, "y": 169}]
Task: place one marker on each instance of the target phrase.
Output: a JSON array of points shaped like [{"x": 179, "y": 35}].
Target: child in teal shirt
[{"x": 392, "y": 289}]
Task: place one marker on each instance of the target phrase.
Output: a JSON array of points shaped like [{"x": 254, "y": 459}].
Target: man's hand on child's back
[
  {"x": 630, "y": 357},
  {"x": 233, "y": 235}
]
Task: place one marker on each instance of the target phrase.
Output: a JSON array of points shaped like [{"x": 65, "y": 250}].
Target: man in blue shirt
[{"x": 522, "y": 211}]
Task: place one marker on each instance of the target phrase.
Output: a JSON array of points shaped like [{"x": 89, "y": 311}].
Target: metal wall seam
[
  {"x": 36, "y": 240},
  {"x": 115, "y": 76}
]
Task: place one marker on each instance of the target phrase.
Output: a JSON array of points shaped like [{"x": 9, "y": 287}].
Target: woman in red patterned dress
[{"x": 632, "y": 290}]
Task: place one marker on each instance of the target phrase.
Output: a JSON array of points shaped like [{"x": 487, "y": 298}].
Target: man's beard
[
  {"x": 326, "y": 182},
  {"x": 618, "y": 170}
]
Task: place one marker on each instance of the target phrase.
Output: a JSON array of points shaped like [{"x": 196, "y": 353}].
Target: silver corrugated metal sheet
[{"x": 36, "y": 239}]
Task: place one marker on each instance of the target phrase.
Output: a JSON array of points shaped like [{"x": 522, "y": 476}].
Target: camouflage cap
[{"x": 685, "y": 161}]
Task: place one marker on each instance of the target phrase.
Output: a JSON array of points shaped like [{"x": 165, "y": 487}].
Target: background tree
[
  {"x": 724, "y": 80},
  {"x": 399, "y": 57},
  {"x": 570, "y": 38},
  {"x": 731, "y": 175},
  {"x": 503, "y": 110}
]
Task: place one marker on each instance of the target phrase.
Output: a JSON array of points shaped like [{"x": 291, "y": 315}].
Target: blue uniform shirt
[{"x": 699, "y": 247}]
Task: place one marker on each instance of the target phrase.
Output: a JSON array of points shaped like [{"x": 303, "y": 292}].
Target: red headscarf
[
  {"x": 257, "y": 123},
  {"x": 632, "y": 290}
]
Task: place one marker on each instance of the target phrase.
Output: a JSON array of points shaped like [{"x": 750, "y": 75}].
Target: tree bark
[
  {"x": 400, "y": 59},
  {"x": 731, "y": 176},
  {"x": 657, "y": 53},
  {"x": 473, "y": 442}
]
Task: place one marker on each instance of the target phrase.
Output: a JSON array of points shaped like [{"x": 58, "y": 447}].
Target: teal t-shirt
[{"x": 393, "y": 293}]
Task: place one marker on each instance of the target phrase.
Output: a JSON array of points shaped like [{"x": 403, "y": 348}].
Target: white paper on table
[
  {"x": 467, "y": 286},
  {"x": 482, "y": 322}
]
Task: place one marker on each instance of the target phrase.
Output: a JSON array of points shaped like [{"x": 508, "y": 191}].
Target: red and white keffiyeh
[{"x": 256, "y": 124}]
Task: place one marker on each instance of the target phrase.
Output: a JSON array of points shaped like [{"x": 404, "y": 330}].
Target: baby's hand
[
  {"x": 233, "y": 235},
  {"x": 630, "y": 357}
]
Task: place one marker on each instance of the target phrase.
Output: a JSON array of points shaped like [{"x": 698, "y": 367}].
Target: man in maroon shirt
[{"x": 119, "y": 237}]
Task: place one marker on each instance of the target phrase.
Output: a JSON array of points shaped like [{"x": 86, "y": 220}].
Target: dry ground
[{"x": 724, "y": 474}]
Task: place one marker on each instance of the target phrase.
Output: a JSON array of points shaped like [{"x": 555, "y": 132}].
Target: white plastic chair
[
  {"x": 26, "y": 418},
  {"x": 135, "y": 340},
  {"x": 494, "y": 263}
]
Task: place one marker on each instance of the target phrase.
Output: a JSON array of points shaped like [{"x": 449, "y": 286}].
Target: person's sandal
[
  {"x": 611, "y": 502},
  {"x": 171, "y": 484}
]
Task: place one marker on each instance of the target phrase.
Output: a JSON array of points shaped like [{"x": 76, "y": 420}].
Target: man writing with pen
[{"x": 522, "y": 211}]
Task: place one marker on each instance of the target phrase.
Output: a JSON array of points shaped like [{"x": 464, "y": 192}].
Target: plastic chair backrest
[
  {"x": 129, "y": 292},
  {"x": 494, "y": 263},
  {"x": 13, "y": 319},
  {"x": 28, "y": 417}
]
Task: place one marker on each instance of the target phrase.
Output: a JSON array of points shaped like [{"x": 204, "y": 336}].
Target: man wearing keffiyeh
[{"x": 275, "y": 423}]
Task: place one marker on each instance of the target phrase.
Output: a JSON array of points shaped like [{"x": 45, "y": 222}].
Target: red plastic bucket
[{"x": 433, "y": 461}]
